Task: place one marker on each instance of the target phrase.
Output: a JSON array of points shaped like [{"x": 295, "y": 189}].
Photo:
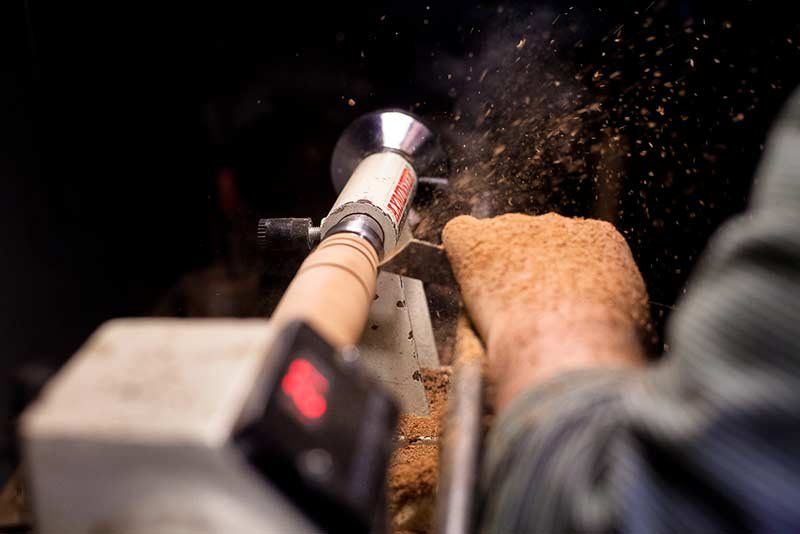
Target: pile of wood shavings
[{"x": 414, "y": 468}]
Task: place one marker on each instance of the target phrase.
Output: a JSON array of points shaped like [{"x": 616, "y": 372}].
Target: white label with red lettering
[
  {"x": 398, "y": 202},
  {"x": 382, "y": 187}
]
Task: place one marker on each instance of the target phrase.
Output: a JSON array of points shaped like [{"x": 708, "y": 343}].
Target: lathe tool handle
[{"x": 333, "y": 289}]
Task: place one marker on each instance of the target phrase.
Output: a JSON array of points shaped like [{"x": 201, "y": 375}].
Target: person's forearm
[{"x": 526, "y": 351}]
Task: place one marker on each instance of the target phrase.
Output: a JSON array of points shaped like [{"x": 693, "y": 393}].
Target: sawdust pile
[
  {"x": 414, "y": 428},
  {"x": 414, "y": 468},
  {"x": 414, "y": 473}
]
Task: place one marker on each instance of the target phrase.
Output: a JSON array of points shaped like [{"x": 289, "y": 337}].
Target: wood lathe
[{"x": 246, "y": 426}]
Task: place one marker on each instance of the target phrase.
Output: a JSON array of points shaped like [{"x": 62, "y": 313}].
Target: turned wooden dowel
[{"x": 333, "y": 289}]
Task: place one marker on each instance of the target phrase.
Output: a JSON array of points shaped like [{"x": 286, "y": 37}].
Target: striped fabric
[{"x": 706, "y": 441}]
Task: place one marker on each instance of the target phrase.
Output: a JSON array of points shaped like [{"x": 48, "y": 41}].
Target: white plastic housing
[
  {"x": 133, "y": 435},
  {"x": 382, "y": 186}
]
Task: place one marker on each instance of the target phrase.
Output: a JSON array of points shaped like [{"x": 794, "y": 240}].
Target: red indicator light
[{"x": 306, "y": 387}]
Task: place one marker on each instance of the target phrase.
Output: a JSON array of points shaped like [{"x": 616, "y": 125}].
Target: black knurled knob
[{"x": 288, "y": 234}]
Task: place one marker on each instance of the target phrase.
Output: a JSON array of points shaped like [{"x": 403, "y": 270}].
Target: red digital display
[{"x": 307, "y": 388}]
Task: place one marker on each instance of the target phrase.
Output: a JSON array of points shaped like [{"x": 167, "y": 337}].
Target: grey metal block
[
  {"x": 420, "y": 317},
  {"x": 389, "y": 348}
]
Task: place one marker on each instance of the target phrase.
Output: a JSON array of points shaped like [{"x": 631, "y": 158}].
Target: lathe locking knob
[{"x": 288, "y": 234}]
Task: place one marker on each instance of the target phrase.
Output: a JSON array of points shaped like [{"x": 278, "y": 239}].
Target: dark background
[{"x": 119, "y": 124}]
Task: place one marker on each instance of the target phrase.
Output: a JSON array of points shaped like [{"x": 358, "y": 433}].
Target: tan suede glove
[{"x": 548, "y": 294}]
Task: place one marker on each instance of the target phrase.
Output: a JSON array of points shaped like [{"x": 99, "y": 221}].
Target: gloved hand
[{"x": 547, "y": 294}]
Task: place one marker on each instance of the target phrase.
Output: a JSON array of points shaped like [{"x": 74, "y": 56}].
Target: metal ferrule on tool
[
  {"x": 361, "y": 225},
  {"x": 381, "y": 188}
]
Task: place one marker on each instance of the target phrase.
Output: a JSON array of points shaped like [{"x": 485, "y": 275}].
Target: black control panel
[{"x": 325, "y": 435}]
